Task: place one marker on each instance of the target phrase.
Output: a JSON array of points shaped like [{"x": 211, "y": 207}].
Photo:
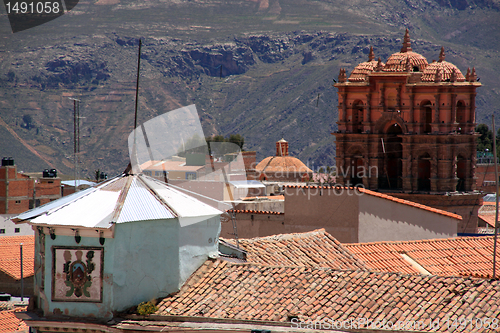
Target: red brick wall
[
  {"x": 48, "y": 186},
  {"x": 485, "y": 174}
]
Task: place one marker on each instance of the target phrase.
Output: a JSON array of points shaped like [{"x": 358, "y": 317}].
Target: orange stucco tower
[{"x": 407, "y": 126}]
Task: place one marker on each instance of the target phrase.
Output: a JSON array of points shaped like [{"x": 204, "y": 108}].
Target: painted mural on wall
[{"x": 77, "y": 274}]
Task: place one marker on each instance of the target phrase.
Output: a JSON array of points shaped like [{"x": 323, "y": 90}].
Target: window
[
  {"x": 191, "y": 175},
  {"x": 2, "y": 231},
  {"x": 17, "y": 230}
]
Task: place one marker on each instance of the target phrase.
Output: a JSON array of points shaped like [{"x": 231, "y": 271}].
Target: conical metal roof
[{"x": 126, "y": 198}]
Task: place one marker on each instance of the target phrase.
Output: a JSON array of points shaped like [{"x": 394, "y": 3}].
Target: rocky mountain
[{"x": 263, "y": 69}]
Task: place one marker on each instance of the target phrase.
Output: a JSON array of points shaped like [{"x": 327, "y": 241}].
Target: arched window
[
  {"x": 426, "y": 116},
  {"x": 357, "y": 116},
  {"x": 357, "y": 170},
  {"x": 424, "y": 172},
  {"x": 393, "y": 152},
  {"x": 461, "y": 116},
  {"x": 461, "y": 172}
]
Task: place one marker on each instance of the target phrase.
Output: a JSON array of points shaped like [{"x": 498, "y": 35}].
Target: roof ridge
[
  {"x": 371, "y": 272},
  {"x": 155, "y": 194},
  {"x": 383, "y": 196},
  {"x": 254, "y": 211},
  {"x": 284, "y": 236},
  {"x": 410, "y": 203},
  {"x": 458, "y": 238}
]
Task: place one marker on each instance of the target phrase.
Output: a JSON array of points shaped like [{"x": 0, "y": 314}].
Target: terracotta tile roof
[
  {"x": 461, "y": 256},
  {"x": 249, "y": 211},
  {"x": 10, "y": 323},
  {"x": 388, "y": 197},
  {"x": 310, "y": 249},
  {"x": 282, "y": 164},
  {"x": 10, "y": 262},
  {"x": 411, "y": 203},
  {"x": 488, "y": 218},
  {"x": 446, "y": 68},
  {"x": 226, "y": 290},
  {"x": 361, "y": 71},
  {"x": 398, "y": 62}
]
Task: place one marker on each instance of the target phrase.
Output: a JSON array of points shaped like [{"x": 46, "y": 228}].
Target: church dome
[
  {"x": 442, "y": 71},
  {"x": 406, "y": 60},
  {"x": 282, "y": 167},
  {"x": 361, "y": 71},
  {"x": 282, "y": 164}
]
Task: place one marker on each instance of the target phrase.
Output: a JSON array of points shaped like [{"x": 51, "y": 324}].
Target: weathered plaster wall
[
  {"x": 385, "y": 220},
  {"x": 196, "y": 243},
  {"x": 250, "y": 225},
  {"x": 80, "y": 309},
  {"x": 145, "y": 260},
  {"x": 307, "y": 209}
]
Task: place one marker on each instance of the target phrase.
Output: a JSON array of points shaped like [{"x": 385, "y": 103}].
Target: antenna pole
[
  {"x": 137, "y": 83},
  {"x": 496, "y": 198},
  {"x": 74, "y": 140},
  {"x": 76, "y": 135}
]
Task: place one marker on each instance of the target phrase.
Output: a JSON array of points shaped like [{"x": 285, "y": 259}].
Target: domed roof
[
  {"x": 442, "y": 71},
  {"x": 361, "y": 71},
  {"x": 282, "y": 164},
  {"x": 406, "y": 60}
]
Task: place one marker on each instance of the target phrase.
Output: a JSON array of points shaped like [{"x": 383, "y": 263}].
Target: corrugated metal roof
[
  {"x": 93, "y": 211},
  {"x": 32, "y": 213},
  {"x": 78, "y": 182},
  {"x": 121, "y": 199},
  {"x": 141, "y": 204},
  {"x": 247, "y": 184},
  {"x": 188, "y": 209}
]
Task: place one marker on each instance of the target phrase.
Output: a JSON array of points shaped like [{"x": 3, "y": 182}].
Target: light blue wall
[
  {"x": 145, "y": 260},
  {"x": 80, "y": 309}
]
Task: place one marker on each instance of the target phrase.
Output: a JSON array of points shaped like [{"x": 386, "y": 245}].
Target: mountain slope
[{"x": 279, "y": 59}]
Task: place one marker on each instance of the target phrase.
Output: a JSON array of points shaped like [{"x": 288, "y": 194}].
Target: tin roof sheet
[
  {"x": 121, "y": 199},
  {"x": 188, "y": 209},
  {"x": 141, "y": 204}
]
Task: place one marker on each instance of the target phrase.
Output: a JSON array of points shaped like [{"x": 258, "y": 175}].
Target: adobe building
[
  {"x": 282, "y": 167},
  {"x": 19, "y": 192},
  {"x": 107, "y": 248},
  {"x": 348, "y": 214},
  {"x": 407, "y": 127}
]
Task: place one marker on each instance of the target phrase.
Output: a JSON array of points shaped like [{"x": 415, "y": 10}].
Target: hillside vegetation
[{"x": 278, "y": 58}]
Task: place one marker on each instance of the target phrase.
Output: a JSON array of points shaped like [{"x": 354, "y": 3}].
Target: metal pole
[
  {"x": 76, "y": 135},
  {"x": 137, "y": 83},
  {"x": 22, "y": 284},
  {"x": 74, "y": 138},
  {"x": 77, "y": 141},
  {"x": 496, "y": 198}
]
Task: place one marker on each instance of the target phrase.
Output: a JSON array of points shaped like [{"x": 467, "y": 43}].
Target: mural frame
[{"x": 79, "y": 281}]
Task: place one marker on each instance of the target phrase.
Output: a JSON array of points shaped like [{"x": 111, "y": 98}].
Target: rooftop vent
[
  {"x": 49, "y": 173},
  {"x": 7, "y": 161}
]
